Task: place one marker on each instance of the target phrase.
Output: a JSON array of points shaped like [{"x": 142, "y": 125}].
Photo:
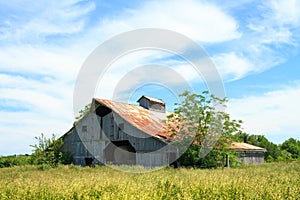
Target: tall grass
[{"x": 269, "y": 181}]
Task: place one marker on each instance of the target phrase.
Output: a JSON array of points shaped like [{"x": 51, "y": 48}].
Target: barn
[
  {"x": 120, "y": 133},
  {"x": 247, "y": 153}
]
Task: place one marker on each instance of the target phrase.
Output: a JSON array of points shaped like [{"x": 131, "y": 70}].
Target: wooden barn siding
[
  {"x": 249, "y": 157},
  {"x": 93, "y": 143},
  {"x": 152, "y": 159},
  {"x": 156, "y": 107},
  {"x": 144, "y": 103},
  {"x": 151, "y": 105},
  {"x": 85, "y": 144}
]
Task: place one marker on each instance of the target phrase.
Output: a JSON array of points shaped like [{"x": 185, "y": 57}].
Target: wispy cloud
[
  {"x": 232, "y": 66},
  {"x": 285, "y": 12},
  {"x": 270, "y": 35},
  {"x": 199, "y": 20},
  {"x": 29, "y": 21}
]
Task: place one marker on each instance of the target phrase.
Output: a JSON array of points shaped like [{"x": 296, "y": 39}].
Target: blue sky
[{"x": 43, "y": 44}]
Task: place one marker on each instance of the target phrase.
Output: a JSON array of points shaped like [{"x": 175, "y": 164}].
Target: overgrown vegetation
[
  {"x": 82, "y": 113},
  {"x": 200, "y": 119},
  {"x": 47, "y": 151},
  {"x": 268, "y": 181},
  {"x": 15, "y": 160}
]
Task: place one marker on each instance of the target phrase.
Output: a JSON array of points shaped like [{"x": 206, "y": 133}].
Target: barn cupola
[{"x": 152, "y": 104}]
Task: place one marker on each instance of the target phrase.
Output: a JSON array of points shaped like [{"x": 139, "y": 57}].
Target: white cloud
[
  {"x": 286, "y": 12},
  {"x": 141, "y": 66},
  {"x": 268, "y": 39},
  {"x": 198, "y": 20},
  {"x": 231, "y": 66},
  {"x": 32, "y": 21},
  {"x": 41, "y": 60},
  {"x": 279, "y": 22},
  {"x": 275, "y": 113},
  {"x": 21, "y": 128}
]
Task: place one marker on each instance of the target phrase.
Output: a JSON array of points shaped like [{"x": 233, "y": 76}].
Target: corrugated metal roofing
[
  {"x": 245, "y": 147},
  {"x": 147, "y": 121}
]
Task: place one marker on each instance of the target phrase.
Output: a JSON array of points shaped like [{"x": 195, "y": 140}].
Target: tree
[
  {"x": 200, "y": 119},
  {"x": 82, "y": 113},
  {"x": 292, "y": 146},
  {"x": 48, "y": 151}
]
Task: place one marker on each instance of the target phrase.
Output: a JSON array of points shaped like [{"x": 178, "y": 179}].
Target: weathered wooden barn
[
  {"x": 121, "y": 133},
  {"x": 248, "y": 154}
]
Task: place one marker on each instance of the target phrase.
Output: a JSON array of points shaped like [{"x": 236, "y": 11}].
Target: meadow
[{"x": 268, "y": 181}]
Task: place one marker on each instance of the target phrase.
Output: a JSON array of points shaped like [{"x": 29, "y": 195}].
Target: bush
[
  {"x": 15, "y": 160},
  {"x": 48, "y": 152}
]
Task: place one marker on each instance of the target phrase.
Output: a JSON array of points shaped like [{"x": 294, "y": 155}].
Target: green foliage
[
  {"x": 15, "y": 160},
  {"x": 268, "y": 181},
  {"x": 292, "y": 146},
  {"x": 65, "y": 158},
  {"x": 201, "y": 118},
  {"x": 82, "y": 113},
  {"x": 284, "y": 156},
  {"x": 47, "y": 151},
  {"x": 191, "y": 156}
]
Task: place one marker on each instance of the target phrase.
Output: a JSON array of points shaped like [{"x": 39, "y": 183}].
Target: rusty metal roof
[
  {"x": 147, "y": 121},
  {"x": 245, "y": 147}
]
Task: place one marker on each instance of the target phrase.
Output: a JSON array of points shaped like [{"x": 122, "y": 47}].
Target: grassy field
[{"x": 269, "y": 181}]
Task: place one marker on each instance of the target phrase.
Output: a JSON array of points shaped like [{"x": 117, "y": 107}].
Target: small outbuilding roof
[{"x": 242, "y": 146}]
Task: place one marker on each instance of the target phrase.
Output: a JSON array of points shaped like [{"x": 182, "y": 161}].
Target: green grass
[{"x": 269, "y": 181}]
